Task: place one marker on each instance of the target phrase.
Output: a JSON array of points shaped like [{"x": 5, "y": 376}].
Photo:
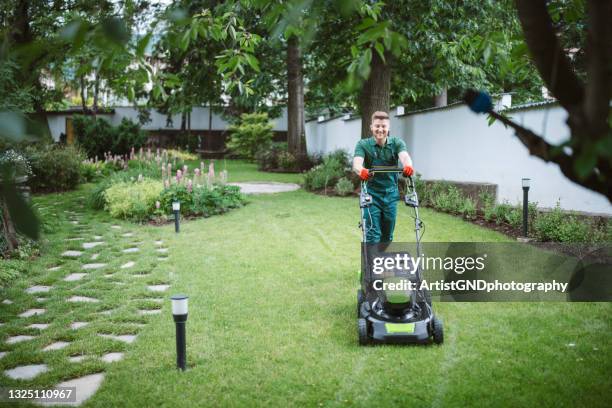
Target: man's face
[{"x": 380, "y": 129}]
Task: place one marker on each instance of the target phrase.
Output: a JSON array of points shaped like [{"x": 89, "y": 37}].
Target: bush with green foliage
[
  {"x": 267, "y": 155},
  {"x": 134, "y": 201},
  {"x": 344, "y": 187},
  {"x": 328, "y": 172},
  {"x": 468, "y": 208},
  {"x": 250, "y": 134},
  {"x": 201, "y": 200},
  {"x": 97, "y": 136},
  {"x": 54, "y": 167},
  {"x": 559, "y": 226}
]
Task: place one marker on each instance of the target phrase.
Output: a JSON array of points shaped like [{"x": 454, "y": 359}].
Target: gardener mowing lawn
[{"x": 381, "y": 150}]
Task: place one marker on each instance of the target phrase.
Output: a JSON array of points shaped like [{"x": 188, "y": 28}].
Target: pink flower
[
  {"x": 189, "y": 186},
  {"x": 179, "y": 174},
  {"x": 211, "y": 170},
  {"x": 197, "y": 172}
]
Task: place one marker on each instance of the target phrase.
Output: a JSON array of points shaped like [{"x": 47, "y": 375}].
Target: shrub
[
  {"x": 287, "y": 161},
  {"x": 202, "y": 200},
  {"x": 344, "y": 187},
  {"x": 97, "y": 136},
  {"x": 127, "y": 136},
  {"x": 267, "y": 155},
  {"x": 134, "y": 201},
  {"x": 94, "y": 135},
  {"x": 327, "y": 173},
  {"x": 558, "y": 226},
  {"x": 502, "y": 212},
  {"x": 515, "y": 217},
  {"x": 450, "y": 200},
  {"x": 16, "y": 163},
  {"x": 253, "y": 131},
  {"x": 181, "y": 155},
  {"x": 468, "y": 209},
  {"x": 54, "y": 168}
]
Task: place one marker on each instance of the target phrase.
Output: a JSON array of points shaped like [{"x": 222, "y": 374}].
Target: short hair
[{"x": 380, "y": 115}]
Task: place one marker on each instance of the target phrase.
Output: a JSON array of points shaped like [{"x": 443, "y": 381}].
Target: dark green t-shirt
[{"x": 375, "y": 155}]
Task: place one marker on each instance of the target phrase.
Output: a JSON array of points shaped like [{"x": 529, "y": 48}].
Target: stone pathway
[
  {"x": 254, "y": 187},
  {"x": 78, "y": 286}
]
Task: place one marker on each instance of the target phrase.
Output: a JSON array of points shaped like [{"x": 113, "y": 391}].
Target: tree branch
[
  {"x": 549, "y": 58},
  {"x": 538, "y": 147},
  {"x": 599, "y": 68}
]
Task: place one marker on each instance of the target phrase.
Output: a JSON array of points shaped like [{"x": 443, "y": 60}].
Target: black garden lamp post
[
  {"x": 526, "y": 182},
  {"x": 179, "y": 313},
  {"x": 176, "y": 208}
]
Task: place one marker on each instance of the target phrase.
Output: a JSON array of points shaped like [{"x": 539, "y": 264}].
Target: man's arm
[
  {"x": 404, "y": 158},
  {"x": 357, "y": 164}
]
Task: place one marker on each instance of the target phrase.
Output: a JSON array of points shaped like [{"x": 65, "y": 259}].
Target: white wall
[
  {"x": 199, "y": 120},
  {"x": 457, "y": 145}
]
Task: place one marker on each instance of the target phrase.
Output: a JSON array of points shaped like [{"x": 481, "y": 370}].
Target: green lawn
[{"x": 272, "y": 318}]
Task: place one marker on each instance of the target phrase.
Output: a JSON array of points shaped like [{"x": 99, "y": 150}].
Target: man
[{"x": 381, "y": 150}]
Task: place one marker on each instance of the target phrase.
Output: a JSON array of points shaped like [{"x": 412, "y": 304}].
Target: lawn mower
[{"x": 386, "y": 314}]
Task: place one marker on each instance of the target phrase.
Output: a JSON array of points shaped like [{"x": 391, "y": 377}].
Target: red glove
[
  {"x": 364, "y": 174},
  {"x": 408, "y": 171}
]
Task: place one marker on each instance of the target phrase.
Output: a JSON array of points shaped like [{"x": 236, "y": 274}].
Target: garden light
[
  {"x": 525, "y": 183},
  {"x": 176, "y": 207},
  {"x": 179, "y": 313}
]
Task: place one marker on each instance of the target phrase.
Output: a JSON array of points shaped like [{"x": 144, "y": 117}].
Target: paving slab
[
  {"x": 112, "y": 357},
  {"x": 26, "y": 372},
  {"x": 75, "y": 277},
  {"x": 39, "y": 326},
  {"x": 126, "y": 338},
  {"x": 76, "y": 359},
  {"x": 158, "y": 288},
  {"x": 130, "y": 250},
  {"x": 265, "y": 187},
  {"x": 85, "y": 386},
  {"x": 38, "y": 289},
  {"x": 19, "y": 338},
  {"x": 162, "y": 250},
  {"x": 85, "y": 299},
  {"x": 93, "y": 266},
  {"x": 7, "y": 302},
  {"x": 58, "y": 345},
  {"x": 89, "y": 245},
  {"x": 128, "y": 264},
  {"x": 143, "y": 312},
  {"x": 72, "y": 254},
  {"x": 78, "y": 325},
  {"x": 54, "y": 268},
  {"x": 32, "y": 312}
]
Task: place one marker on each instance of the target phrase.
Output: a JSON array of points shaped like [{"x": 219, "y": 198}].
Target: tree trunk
[
  {"x": 83, "y": 95},
  {"x": 8, "y": 229},
  {"x": 295, "y": 104},
  {"x": 95, "y": 95},
  {"x": 375, "y": 93},
  {"x": 441, "y": 99}
]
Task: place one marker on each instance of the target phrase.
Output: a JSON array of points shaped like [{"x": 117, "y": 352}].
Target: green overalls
[{"x": 380, "y": 216}]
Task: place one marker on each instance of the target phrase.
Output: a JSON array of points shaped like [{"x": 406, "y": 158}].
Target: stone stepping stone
[
  {"x": 140, "y": 275},
  {"x": 83, "y": 299},
  {"x": 89, "y": 245},
  {"x": 109, "y": 275},
  {"x": 75, "y": 277},
  {"x": 85, "y": 386},
  {"x": 115, "y": 226},
  {"x": 130, "y": 250},
  {"x": 41, "y": 299},
  {"x": 107, "y": 312},
  {"x": 162, "y": 250},
  {"x": 39, "y": 326},
  {"x": 112, "y": 357},
  {"x": 78, "y": 325},
  {"x": 38, "y": 289},
  {"x": 128, "y": 234},
  {"x": 158, "y": 288},
  {"x": 7, "y": 302},
  {"x": 58, "y": 345},
  {"x": 93, "y": 266},
  {"x": 159, "y": 243},
  {"x": 126, "y": 338},
  {"x": 165, "y": 258},
  {"x": 32, "y": 312},
  {"x": 54, "y": 268},
  {"x": 97, "y": 237},
  {"x": 72, "y": 254},
  {"x": 74, "y": 239},
  {"x": 143, "y": 312},
  {"x": 19, "y": 339},
  {"x": 74, "y": 222},
  {"x": 128, "y": 265},
  {"x": 26, "y": 372},
  {"x": 2, "y": 354},
  {"x": 94, "y": 257},
  {"x": 76, "y": 359}
]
